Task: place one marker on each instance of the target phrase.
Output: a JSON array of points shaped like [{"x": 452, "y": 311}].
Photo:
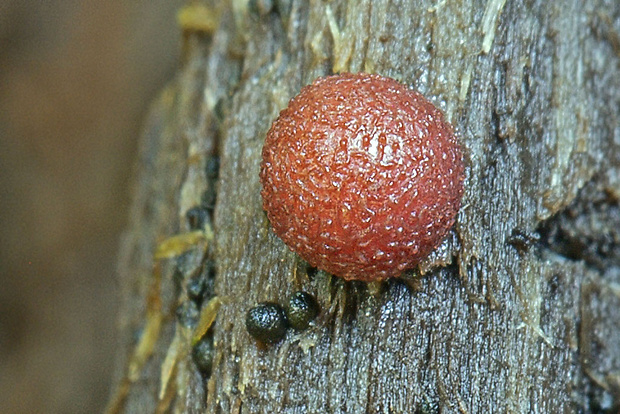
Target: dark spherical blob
[
  {"x": 301, "y": 310},
  {"x": 202, "y": 354},
  {"x": 188, "y": 314},
  {"x": 196, "y": 217},
  {"x": 196, "y": 288},
  {"x": 361, "y": 176},
  {"x": 266, "y": 322}
]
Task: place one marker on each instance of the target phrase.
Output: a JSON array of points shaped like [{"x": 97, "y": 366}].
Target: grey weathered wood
[{"x": 519, "y": 311}]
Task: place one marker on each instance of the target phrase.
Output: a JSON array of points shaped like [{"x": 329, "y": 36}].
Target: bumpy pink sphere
[{"x": 361, "y": 176}]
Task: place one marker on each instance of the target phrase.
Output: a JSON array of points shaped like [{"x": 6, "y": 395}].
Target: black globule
[
  {"x": 301, "y": 310},
  {"x": 266, "y": 322},
  {"x": 202, "y": 353},
  {"x": 196, "y": 287},
  {"x": 196, "y": 217},
  {"x": 187, "y": 314}
]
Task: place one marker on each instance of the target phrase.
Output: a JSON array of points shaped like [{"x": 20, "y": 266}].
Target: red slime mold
[{"x": 361, "y": 176}]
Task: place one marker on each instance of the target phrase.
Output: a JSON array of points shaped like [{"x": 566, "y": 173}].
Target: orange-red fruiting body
[{"x": 361, "y": 176}]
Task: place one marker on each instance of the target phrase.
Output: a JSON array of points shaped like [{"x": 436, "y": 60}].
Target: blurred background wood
[
  {"x": 76, "y": 78},
  {"x": 518, "y": 311}
]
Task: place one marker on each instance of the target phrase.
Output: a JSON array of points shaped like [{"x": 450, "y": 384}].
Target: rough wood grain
[{"x": 518, "y": 311}]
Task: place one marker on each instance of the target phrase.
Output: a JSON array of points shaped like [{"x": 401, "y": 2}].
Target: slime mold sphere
[
  {"x": 266, "y": 322},
  {"x": 361, "y": 176},
  {"x": 301, "y": 310}
]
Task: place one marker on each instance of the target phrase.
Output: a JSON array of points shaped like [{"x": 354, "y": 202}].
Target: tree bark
[{"x": 518, "y": 311}]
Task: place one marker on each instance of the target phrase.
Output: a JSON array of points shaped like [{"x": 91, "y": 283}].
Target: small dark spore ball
[
  {"x": 362, "y": 176},
  {"x": 301, "y": 310},
  {"x": 266, "y": 322},
  {"x": 202, "y": 354},
  {"x": 188, "y": 314},
  {"x": 196, "y": 217},
  {"x": 196, "y": 288}
]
